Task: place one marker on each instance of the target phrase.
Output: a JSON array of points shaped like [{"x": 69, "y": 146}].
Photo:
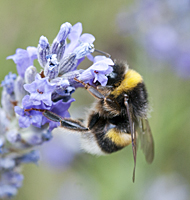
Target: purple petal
[
  {"x": 31, "y": 88},
  {"x": 24, "y": 122},
  {"x": 36, "y": 118},
  {"x": 23, "y": 59},
  {"x": 60, "y": 108},
  {"x": 86, "y": 75},
  {"x": 103, "y": 59},
  {"x": 74, "y": 37},
  {"x": 32, "y": 52},
  {"x": 40, "y": 90},
  {"x": 87, "y": 38},
  {"x": 101, "y": 78},
  {"x": 75, "y": 31},
  {"x": 90, "y": 57},
  {"x": 19, "y": 110}
]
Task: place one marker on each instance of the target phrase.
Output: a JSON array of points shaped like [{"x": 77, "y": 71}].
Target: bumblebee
[{"x": 117, "y": 118}]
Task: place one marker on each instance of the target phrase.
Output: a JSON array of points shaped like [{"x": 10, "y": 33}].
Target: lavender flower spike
[{"x": 28, "y": 96}]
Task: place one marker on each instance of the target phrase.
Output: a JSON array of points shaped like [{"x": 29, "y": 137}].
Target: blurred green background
[{"x": 90, "y": 177}]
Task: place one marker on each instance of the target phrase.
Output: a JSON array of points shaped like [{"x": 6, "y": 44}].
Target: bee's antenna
[{"x": 104, "y": 53}]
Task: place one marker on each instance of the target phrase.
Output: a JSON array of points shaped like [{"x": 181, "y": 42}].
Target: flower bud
[
  {"x": 7, "y": 103},
  {"x": 30, "y": 74},
  {"x": 43, "y": 50},
  {"x": 59, "y": 43},
  {"x": 51, "y": 69},
  {"x": 68, "y": 63},
  {"x": 83, "y": 50},
  {"x": 19, "y": 90}
]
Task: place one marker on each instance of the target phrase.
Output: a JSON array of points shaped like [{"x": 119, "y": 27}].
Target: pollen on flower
[{"x": 39, "y": 91}]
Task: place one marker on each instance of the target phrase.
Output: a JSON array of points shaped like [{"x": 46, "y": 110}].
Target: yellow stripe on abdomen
[
  {"x": 119, "y": 138},
  {"x": 131, "y": 79}
]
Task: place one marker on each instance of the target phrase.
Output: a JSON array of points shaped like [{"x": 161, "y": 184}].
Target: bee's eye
[{"x": 111, "y": 75}]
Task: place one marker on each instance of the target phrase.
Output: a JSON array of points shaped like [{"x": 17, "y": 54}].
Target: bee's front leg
[
  {"x": 92, "y": 90},
  {"x": 67, "y": 123},
  {"x": 110, "y": 104}
]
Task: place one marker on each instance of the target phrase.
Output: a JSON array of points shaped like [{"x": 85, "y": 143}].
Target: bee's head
[{"x": 117, "y": 75}]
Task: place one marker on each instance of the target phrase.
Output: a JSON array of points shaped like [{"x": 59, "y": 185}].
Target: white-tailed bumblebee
[{"x": 118, "y": 117}]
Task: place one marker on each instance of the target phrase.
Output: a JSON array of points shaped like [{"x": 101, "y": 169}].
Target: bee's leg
[
  {"x": 67, "y": 123},
  {"x": 92, "y": 90},
  {"x": 109, "y": 103}
]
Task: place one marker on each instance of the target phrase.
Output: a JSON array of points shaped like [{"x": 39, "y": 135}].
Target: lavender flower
[
  {"x": 40, "y": 90},
  {"x": 76, "y": 38},
  {"x": 97, "y": 72},
  {"x": 28, "y": 117},
  {"x": 23, "y": 59},
  {"x": 60, "y": 108},
  {"x": 27, "y": 96}
]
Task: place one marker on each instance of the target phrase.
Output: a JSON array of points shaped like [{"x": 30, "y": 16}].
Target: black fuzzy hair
[{"x": 119, "y": 70}]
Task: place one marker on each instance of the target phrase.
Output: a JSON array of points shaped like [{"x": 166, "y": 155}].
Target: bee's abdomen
[
  {"x": 108, "y": 137},
  {"x": 106, "y": 144}
]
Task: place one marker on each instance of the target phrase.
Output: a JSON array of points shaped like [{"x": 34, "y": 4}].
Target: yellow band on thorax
[{"x": 131, "y": 79}]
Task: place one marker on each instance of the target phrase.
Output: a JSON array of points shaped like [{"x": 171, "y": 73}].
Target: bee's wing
[
  {"x": 146, "y": 139},
  {"x": 133, "y": 132}
]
